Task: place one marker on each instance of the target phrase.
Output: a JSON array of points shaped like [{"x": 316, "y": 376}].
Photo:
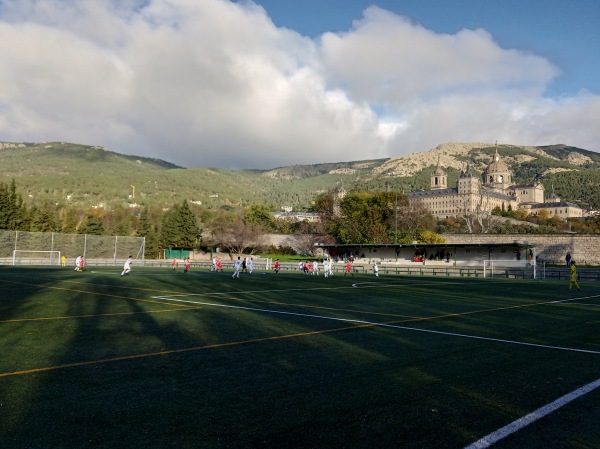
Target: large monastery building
[{"x": 494, "y": 189}]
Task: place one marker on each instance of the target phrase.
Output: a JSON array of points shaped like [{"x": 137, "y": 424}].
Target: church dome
[
  {"x": 439, "y": 172},
  {"x": 497, "y": 167},
  {"x": 497, "y": 174},
  {"x": 439, "y": 180}
]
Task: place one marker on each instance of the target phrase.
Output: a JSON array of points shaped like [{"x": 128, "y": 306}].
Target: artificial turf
[{"x": 200, "y": 360}]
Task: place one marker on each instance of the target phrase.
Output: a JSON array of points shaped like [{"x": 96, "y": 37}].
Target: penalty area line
[{"x": 541, "y": 412}]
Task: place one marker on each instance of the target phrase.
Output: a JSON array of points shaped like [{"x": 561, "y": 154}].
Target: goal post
[
  {"x": 97, "y": 249},
  {"x": 490, "y": 265},
  {"x": 27, "y": 257}
]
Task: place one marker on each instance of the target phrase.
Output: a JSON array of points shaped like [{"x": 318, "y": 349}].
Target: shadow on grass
[{"x": 168, "y": 374}]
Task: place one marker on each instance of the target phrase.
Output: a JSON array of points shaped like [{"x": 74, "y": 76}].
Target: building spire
[
  {"x": 496, "y": 155},
  {"x": 552, "y": 192},
  {"x": 439, "y": 179}
]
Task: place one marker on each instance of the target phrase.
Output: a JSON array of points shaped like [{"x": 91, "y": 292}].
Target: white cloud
[
  {"x": 386, "y": 58},
  {"x": 213, "y": 83}
]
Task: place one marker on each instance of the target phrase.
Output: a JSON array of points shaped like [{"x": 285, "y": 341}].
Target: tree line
[
  {"x": 177, "y": 226},
  {"x": 180, "y": 226},
  {"x": 379, "y": 217}
]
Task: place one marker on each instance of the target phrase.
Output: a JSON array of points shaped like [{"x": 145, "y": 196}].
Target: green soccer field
[{"x": 163, "y": 359}]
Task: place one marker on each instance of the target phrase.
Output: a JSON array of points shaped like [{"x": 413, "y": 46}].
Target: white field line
[
  {"x": 360, "y": 285},
  {"x": 577, "y": 303},
  {"x": 520, "y": 423},
  {"x": 493, "y": 437},
  {"x": 355, "y": 285},
  {"x": 576, "y": 299},
  {"x": 374, "y": 324}
]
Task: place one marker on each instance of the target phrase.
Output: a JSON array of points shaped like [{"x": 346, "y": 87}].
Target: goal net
[
  {"x": 25, "y": 257},
  {"x": 490, "y": 265},
  {"x": 44, "y": 247}
]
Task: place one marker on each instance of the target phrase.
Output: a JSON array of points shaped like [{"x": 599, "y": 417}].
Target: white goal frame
[
  {"x": 45, "y": 257},
  {"x": 489, "y": 265}
]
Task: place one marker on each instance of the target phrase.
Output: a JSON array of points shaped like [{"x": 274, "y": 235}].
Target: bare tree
[
  {"x": 476, "y": 212},
  {"x": 235, "y": 235},
  {"x": 411, "y": 217},
  {"x": 304, "y": 244}
]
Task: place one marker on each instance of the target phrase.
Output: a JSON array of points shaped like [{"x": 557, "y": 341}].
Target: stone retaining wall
[{"x": 551, "y": 248}]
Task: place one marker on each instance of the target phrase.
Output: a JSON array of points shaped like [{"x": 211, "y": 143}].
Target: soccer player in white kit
[
  {"x": 126, "y": 267},
  {"x": 237, "y": 266}
]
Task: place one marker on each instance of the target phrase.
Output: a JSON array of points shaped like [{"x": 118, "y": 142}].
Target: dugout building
[{"x": 516, "y": 254}]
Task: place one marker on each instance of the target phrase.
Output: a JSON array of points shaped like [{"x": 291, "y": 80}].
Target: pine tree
[
  {"x": 188, "y": 226},
  {"x": 179, "y": 228},
  {"x": 5, "y": 206},
  {"x": 41, "y": 221},
  {"x": 147, "y": 230},
  {"x": 92, "y": 226},
  {"x": 70, "y": 221},
  {"x": 169, "y": 236},
  {"x": 14, "y": 215}
]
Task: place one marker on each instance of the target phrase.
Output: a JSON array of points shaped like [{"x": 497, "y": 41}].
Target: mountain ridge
[{"x": 92, "y": 176}]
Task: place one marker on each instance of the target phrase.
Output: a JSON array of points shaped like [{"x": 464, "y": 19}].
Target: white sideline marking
[
  {"x": 574, "y": 299},
  {"x": 520, "y": 423},
  {"x": 370, "y": 323}
]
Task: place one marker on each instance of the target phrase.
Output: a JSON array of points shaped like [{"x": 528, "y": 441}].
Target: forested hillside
[
  {"x": 85, "y": 176},
  {"x": 80, "y": 176}
]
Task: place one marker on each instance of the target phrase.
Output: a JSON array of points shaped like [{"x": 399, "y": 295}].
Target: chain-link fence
[{"x": 99, "y": 249}]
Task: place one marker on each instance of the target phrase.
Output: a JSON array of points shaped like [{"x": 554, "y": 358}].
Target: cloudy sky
[{"x": 263, "y": 84}]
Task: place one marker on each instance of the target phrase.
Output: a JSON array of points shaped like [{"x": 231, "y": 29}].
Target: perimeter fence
[{"x": 94, "y": 248}]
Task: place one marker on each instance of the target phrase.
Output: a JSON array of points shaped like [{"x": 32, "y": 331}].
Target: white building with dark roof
[{"x": 554, "y": 206}]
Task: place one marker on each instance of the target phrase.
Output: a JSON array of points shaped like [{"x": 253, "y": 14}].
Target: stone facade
[
  {"x": 550, "y": 248},
  {"x": 495, "y": 189}
]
